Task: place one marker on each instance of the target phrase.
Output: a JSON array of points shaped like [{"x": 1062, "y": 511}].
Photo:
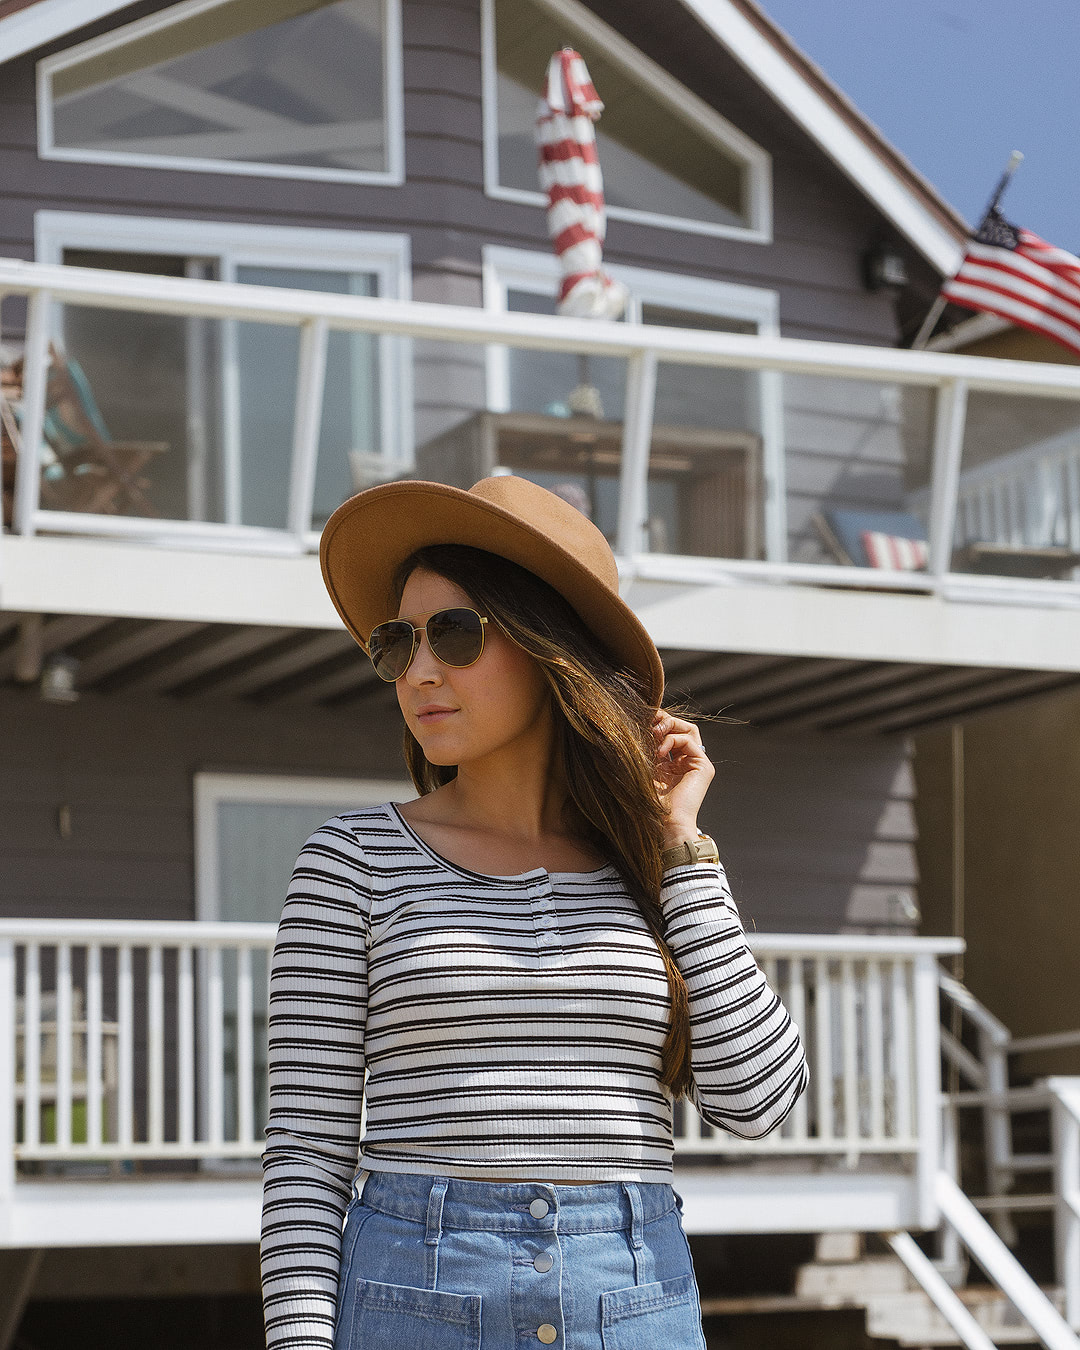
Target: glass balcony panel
[
  {"x": 551, "y": 417},
  {"x": 857, "y": 467},
  {"x": 1018, "y": 503},
  {"x": 134, "y": 416},
  {"x": 704, "y": 495},
  {"x": 350, "y": 430}
]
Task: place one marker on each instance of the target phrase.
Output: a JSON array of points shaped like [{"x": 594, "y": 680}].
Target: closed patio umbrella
[{"x": 570, "y": 176}]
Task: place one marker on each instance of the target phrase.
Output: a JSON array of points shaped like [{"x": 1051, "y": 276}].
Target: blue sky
[{"x": 958, "y": 84}]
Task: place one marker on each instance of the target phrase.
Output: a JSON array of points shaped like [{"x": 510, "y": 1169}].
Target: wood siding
[{"x": 817, "y": 833}]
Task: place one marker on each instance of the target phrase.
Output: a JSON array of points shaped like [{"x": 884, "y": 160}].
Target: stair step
[
  {"x": 1029, "y": 1162},
  {"x": 912, "y": 1320},
  {"x": 851, "y": 1283},
  {"x": 995, "y": 1203}
]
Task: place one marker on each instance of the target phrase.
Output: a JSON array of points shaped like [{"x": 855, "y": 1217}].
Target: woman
[{"x": 532, "y": 960}]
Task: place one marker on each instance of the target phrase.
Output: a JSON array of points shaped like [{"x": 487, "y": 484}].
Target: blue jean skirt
[{"x": 439, "y": 1263}]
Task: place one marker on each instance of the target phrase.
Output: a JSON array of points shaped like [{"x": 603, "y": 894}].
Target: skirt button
[
  {"x": 546, "y": 1333},
  {"x": 538, "y": 1209},
  {"x": 543, "y": 1263}
]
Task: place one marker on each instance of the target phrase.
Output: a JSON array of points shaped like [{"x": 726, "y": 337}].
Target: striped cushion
[{"x": 894, "y": 552}]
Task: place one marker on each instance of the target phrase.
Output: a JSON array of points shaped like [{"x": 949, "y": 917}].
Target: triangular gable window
[
  {"x": 667, "y": 157},
  {"x": 293, "y": 88}
]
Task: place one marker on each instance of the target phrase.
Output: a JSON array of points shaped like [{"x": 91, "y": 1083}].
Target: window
[
  {"x": 295, "y": 88},
  {"x": 716, "y": 458},
  {"x": 250, "y": 827},
  {"x": 666, "y": 156},
  {"x": 217, "y": 397}
]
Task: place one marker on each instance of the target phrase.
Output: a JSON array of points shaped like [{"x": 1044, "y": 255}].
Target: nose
[{"x": 424, "y": 668}]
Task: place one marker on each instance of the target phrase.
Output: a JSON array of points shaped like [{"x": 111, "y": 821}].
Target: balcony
[
  {"x": 174, "y": 447},
  {"x": 135, "y": 1067},
  {"x": 132, "y": 1061}
]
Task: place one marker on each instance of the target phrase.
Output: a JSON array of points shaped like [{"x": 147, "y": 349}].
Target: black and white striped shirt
[{"x": 509, "y": 1026}]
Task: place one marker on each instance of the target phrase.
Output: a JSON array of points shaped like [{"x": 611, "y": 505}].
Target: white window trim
[
  {"x": 392, "y": 176},
  {"x": 668, "y": 90},
  {"x": 235, "y": 245},
  {"x": 506, "y": 269},
  {"x": 212, "y": 789}
]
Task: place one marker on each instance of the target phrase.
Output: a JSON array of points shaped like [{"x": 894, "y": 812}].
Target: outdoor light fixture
[
  {"x": 58, "y": 679},
  {"x": 884, "y": 268}
]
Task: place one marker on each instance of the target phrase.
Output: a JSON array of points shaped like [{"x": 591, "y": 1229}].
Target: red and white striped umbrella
[{"x": 570, "y": 175}]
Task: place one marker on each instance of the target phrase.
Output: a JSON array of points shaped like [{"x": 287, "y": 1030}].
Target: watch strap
[{"x": 699, "y": 850}]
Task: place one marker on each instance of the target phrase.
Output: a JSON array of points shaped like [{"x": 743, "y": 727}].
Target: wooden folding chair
[{"x": 87, "y": 470}]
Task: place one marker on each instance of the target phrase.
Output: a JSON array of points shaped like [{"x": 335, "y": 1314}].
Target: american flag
[{"x": 1013, "y": 273}]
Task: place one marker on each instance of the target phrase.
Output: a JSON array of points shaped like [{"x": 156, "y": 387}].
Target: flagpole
[{"x": 922, "y": 337}]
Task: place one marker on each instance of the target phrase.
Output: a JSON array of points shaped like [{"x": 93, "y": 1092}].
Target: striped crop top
[{"x": 508, "y": 1026}]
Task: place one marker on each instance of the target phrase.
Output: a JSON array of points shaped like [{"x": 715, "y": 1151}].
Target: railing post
[
  {"x": 35, "y": 380},
  {"x": 636, "y": 442},
  {"x": 310, "y": 383},
  {"x": 7, "y": 1085},
  {"x": 927, "y": 1087},
  {"x": 945, "y": 480},
  {"x": 997, "y": 1130},
  {"x": 1065, "y": 1123}
]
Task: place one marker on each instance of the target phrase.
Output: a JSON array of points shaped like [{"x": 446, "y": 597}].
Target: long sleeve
[
  {"x": 317, "y": 1015},
  {"x": 746, "y": 1057}
]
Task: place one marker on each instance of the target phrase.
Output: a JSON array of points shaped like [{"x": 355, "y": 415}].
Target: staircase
[{"x": 1022, "y": 1142}]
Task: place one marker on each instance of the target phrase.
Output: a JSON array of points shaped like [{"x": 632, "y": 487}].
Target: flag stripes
[{"x": 1010, "y": 272}]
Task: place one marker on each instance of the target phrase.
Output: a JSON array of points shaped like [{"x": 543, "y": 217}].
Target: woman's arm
[
  {"x": 746, "y": 1057},
  {"x": 317, "y": 1014}
]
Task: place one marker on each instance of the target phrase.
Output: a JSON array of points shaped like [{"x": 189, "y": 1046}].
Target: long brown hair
[{"x": 604, "y": 743}]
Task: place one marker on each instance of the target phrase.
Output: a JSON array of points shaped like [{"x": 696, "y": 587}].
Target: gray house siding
[{"x": 817, "y": 833}]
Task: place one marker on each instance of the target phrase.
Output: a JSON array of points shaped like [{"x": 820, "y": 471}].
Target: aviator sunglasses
[{"x": 455, "y": 636}]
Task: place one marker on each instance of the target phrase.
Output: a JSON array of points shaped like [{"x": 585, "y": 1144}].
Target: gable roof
[{"x": 799, "y": 86}]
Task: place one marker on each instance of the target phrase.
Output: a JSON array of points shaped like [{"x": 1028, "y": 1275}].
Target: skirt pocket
[
  {"x": 645, "y": 1316},
  {"x": 397, "y": 1317}
]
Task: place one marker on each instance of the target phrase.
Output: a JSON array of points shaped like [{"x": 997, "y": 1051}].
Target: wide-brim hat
[{"x": 369, "y": 536}]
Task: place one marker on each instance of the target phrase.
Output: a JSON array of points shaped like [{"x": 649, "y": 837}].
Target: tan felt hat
[{"x": 368, "y": 537}]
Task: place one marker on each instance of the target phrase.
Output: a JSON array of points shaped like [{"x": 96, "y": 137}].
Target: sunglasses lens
[
  {"x": 456, "y": 636},
  {"x": 390, "y": 648}
]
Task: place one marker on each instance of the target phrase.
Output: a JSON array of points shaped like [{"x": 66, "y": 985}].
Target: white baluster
[
  {"x": 823, "y": 1072},
  {"x": 796, "y": 1006},
  {"x": 155, "y": 1048},
  {"x": 64, "y": 1035},
  {"x": 94, "y": 1100},
  {"x": 185, "y": 1046},
  {"x": 32, "y": 1047},
  {"x": 901, "y": 1048},
  {"x": 125, "y": 1016},
  {"x": 215, "y": 1048},
  {"x": 875, "y": 1049},
  {"x": 245, "y": 1059}
]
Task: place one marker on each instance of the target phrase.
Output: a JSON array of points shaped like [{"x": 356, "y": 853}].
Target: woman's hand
[{"x": 683, "y": 774}]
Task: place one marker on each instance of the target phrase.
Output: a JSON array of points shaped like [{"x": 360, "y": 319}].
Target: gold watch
[{"x": 699, "y": 850}]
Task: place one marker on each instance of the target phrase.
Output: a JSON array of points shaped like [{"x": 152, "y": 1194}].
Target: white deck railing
[
  {"x": 132, "y": 1040},
  {"x": 948, "y": 378}
]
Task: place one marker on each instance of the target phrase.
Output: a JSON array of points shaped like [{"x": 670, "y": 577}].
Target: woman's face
[{"x": 464, "y": 714}]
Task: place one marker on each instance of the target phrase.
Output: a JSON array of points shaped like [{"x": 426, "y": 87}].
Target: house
[{"x": 259, "y": 256}]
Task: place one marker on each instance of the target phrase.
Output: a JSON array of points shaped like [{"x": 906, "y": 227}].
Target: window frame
[
  {"x": 388, "y": 256},
  {"x": 505, "y": 269},
  {"x": 394, "y": 112},
  {"x": 686, "y": 105},
  {"x": 211, "y": 789}
]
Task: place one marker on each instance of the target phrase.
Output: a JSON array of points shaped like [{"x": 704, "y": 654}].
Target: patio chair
[
  {"x": 84, "y": 468},
  {"x": 886, "y": 539},
  {"x": 897, "y": 540}
]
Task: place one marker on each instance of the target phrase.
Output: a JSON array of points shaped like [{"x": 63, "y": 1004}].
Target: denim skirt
[{"x": 439, "y": 1263}]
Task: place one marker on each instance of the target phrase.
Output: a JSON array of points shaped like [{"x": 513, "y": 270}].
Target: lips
[{"x": 433, "y": 712}]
